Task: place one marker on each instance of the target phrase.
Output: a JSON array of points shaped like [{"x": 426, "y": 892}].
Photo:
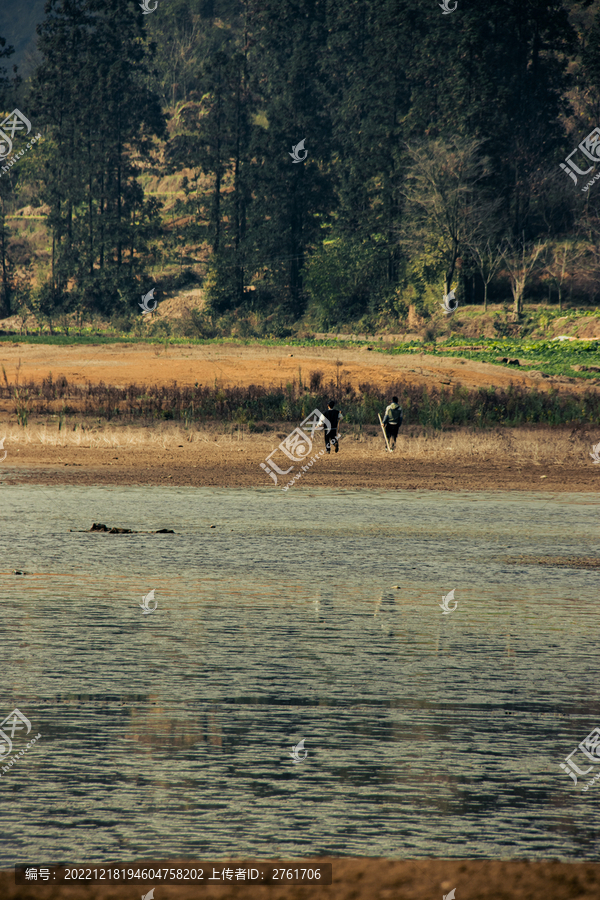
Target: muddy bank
[{"x": 367, "y": 879}]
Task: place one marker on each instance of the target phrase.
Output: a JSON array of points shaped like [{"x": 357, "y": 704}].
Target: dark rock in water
[
  {"x": 18, "y": 572},
  {"x": 101, "y": 527}
]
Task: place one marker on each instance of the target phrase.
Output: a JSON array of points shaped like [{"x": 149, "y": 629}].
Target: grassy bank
[{"x": 547, "y": 357}]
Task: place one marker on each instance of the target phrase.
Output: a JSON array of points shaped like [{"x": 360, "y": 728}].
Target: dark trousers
[
  {"x": 330, "y": 437},
  {"x": 391, "y": 431}
]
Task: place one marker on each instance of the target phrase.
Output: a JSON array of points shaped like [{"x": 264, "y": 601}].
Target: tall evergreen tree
[
  {"x": 89, "y": 91},
  {"x": 369, "y": 99},
  {"x": 212, "y": 137},
  {"x": 290, "y": 199},
  {"x": 6, "y": 95}
]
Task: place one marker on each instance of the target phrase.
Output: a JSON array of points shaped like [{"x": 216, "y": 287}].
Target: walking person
[
  {"x": 331, "y": 423},
  {"x": 392, "y": 421}
]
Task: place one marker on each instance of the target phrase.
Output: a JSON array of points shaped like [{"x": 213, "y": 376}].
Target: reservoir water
[{"x": 310, "y": 615}]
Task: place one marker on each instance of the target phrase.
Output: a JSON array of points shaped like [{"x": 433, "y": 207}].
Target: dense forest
[{"x": 437, "y": 152}]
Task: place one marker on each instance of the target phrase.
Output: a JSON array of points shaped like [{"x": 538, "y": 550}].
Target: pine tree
[
  {"x": 370, "y": 99},
  {"x": 89, "y": 91},
  {"x": 212, "y": 137},
  {"x": 291, "y": 200},
  {"x": 7, "y": 88}
]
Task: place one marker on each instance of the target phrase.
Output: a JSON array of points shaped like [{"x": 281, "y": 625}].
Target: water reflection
[
  {"x": 170, "y": 734},
  {"x": 386, "y": 612}
]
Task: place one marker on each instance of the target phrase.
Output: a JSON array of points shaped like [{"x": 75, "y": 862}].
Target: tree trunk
[
  {"x": 5, "y": 305},
  {"x": 450, "y": 271},
  {"x": 218, "y": 176}
]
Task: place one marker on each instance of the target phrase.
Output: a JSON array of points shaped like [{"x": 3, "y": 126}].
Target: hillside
[{"x": 302, "y": 167}]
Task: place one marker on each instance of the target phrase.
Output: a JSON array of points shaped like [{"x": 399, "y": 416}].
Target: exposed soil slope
[{"x": 120, "y": 364}]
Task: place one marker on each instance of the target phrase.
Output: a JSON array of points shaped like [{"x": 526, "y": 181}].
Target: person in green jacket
[{"x": 392, "y": 421}]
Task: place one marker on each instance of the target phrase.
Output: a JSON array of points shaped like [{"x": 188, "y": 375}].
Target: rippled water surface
[{"x": 169, "y": 735}]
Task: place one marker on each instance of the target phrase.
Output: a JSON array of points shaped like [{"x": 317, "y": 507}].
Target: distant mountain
[{"x": 18, "y": 20}]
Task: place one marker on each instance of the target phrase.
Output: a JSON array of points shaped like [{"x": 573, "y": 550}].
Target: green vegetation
[{"x": 548, "y": 357}]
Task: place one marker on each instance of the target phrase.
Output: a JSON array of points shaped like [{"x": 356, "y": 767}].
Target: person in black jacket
[{"x": 331, "y": 423}]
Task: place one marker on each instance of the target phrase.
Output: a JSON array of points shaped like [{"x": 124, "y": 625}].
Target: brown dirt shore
[
  {"x": 366, "y": 879},
  {"x": 522, "y": 460},
  {"x": 555, "y": 460}
]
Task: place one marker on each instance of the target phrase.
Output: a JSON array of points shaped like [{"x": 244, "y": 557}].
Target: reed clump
[{"x": 436, "y": 408}]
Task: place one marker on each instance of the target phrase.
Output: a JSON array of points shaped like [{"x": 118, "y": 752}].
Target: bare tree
[
  {"x": 561, "y": 258},
  {"x": 446, "y": 204},
  {"x": 488, "y": 257},
  {"x": 520, "y": 260},
  {"x": 589, "y": 229}
]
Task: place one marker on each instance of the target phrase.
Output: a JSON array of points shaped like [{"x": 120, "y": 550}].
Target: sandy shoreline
[{"x": 368, "y": 879}]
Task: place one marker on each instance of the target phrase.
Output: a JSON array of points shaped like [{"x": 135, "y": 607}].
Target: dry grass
[
  {"x": 537, "y": 446},
  {"x": 109, "y": 436}
]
